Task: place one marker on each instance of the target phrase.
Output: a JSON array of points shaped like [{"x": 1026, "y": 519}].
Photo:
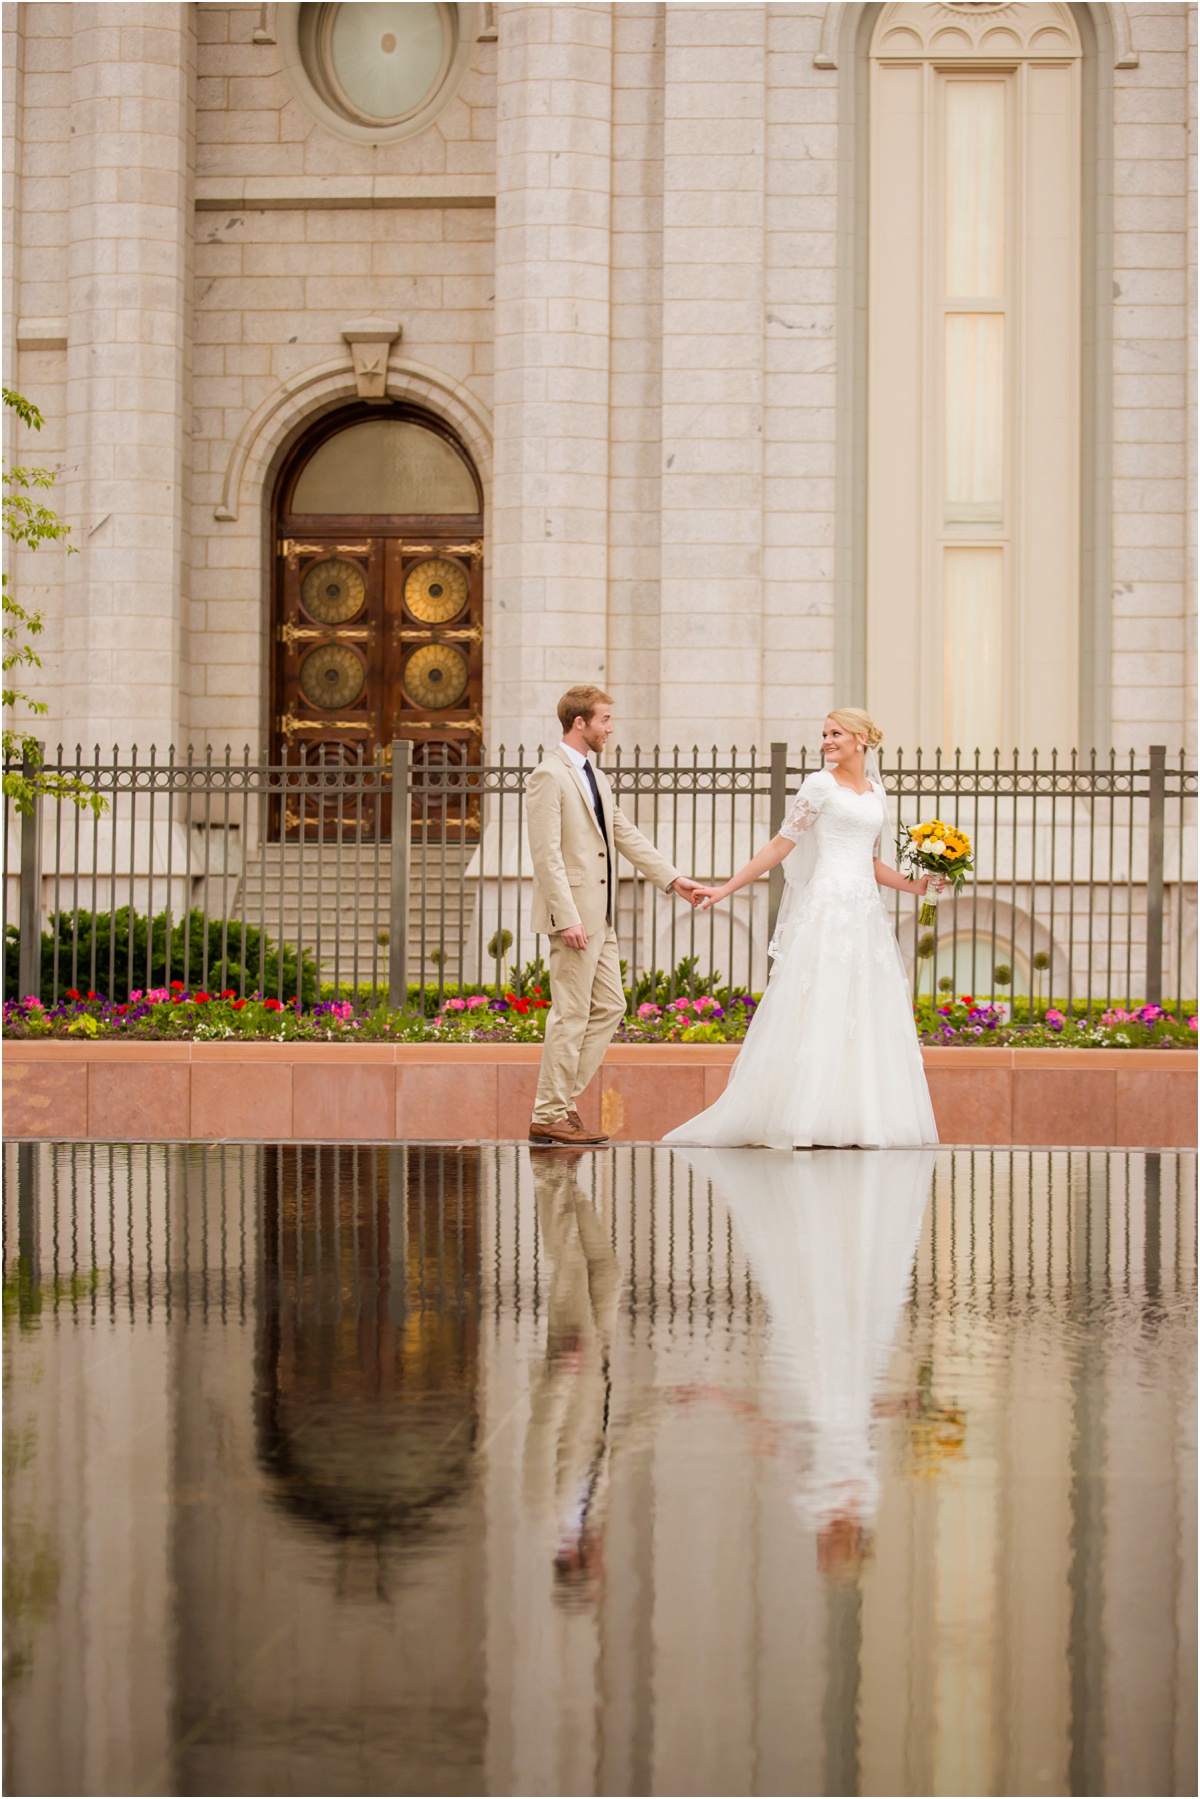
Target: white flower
[{"x": 935, "y": 849}]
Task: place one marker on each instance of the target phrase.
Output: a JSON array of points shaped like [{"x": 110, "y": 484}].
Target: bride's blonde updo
[{"x": 851, "y": 719}]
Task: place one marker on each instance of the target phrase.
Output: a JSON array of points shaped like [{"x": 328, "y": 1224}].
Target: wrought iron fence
[{"x": 408, "y": 880}]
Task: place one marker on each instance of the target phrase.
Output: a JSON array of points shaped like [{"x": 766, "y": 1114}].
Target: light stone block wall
[
  {"x": 549, "y": 538},
  {"x": 663, "y": 316},
  {"x": 635, "y": 389},
  {"x": 800, "y": 362},
  {"x": 37, "y": 75},
  {"x": 1153, "y": 289},
  {"x": 714, "y": 167}
]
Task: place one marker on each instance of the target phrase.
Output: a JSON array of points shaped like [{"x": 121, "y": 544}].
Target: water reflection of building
[
  {"x": 368, "y": 1358},
  {"x": 329, "y": 1572}
]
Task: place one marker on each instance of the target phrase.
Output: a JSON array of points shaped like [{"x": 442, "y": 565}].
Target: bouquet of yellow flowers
[{"x": 938, "y": 849}]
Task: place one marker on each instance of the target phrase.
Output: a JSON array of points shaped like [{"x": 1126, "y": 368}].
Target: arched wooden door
[{"x": 378, "y": 605}]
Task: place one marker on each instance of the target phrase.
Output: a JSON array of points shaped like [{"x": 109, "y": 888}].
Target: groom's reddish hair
[{"x": 581, "y": 702}]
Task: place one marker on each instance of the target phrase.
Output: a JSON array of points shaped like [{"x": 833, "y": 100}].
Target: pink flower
[
  {"x": 649, "y": 1010},
  {"x": 476, "y": 1000},
  {"x": 705, "y": 1004},
  {"x": 1054, "y": 1016},
  {"x": 680, "y": 1005},
  {"x": 33, "y": 1004},
  {"x": 1191, "y": 1024},
  {"x": 456, "y": 1005}
]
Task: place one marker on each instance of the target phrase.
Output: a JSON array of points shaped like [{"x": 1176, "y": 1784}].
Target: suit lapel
[{"x": 583, "y": 798}]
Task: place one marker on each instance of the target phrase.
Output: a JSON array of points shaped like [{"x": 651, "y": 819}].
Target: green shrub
[{"x": 236, "y": 956}]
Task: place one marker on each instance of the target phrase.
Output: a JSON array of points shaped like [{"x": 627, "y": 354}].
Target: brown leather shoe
[
  {"x": 577, "y": 1121},
  {"x": 564, "y": 1133}
]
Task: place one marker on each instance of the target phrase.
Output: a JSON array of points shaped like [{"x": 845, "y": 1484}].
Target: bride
[{"x": 831, "y": 1056}]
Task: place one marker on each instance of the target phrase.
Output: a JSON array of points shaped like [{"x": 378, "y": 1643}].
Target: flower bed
[
  {"x": 973, "y": 1023},
  {"x": 181, "y": 1014}
]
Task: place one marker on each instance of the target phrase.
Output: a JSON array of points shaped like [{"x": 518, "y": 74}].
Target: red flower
[
  {"x": 71, "y": 993},
  {"x": 238, "y": 1004},
  {"x": 966, "y": 999},
  {"x": 200, "y": 998},
  {"x": 92, "y": 994},
  {"x": 538, "y": 992},
  {"x": 540, "y": 1005},
  {"x": 272, "y": 1005},
  {"x": 228, "y": 992},
  {"x": 122, "y": 1008},
  {"x": 521, "y": 1005},
  {"x": 176, "y": 986}
]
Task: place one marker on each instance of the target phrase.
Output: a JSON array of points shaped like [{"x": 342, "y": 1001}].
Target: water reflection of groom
[{"x": 567, "y": 1448}]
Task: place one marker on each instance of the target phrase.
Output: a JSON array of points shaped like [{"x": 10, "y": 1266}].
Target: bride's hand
[
  {"x": 705, "y": 898},
  {"x": 920, "y": 885}
]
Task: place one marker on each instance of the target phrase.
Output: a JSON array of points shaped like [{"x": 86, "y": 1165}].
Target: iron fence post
[
  {"x": 778, "y": 808},
  {"x": 1155, "y": 856},
  {"x": 401, "y": 851},
  {"x": 29, "y": 977}
]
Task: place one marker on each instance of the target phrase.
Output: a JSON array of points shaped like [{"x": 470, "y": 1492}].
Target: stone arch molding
[
  {"x": 327, "y": 384},
  {"x": 975, "y": 19},
  {"x": 979, "y": 29}
]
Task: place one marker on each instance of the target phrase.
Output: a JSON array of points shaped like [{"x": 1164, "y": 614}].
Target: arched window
[{"x": 974, "y": 327}]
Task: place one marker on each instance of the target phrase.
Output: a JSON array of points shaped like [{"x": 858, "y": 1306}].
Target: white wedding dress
[{"x": 831, "y": 1056}]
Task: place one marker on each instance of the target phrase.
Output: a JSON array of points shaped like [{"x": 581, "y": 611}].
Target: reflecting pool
[{"x": 392, "y": 1470}]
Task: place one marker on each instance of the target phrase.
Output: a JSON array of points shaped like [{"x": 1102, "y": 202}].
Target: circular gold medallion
[
  {"x": 435, "y": 591},
  {"x": 333, "y": 591},
  {"x": 331, "y": 676},
  {"x": 435, "y": 676}
]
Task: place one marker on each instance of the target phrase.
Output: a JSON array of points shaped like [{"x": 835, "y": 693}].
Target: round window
[{"x": 380, "y": 70}]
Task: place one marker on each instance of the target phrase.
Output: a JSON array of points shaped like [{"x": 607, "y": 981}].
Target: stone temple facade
[{"x": 745, "y": 359}]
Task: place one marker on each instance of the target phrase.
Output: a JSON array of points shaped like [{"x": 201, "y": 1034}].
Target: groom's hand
[
  {"x": 686, "y": 888},
  {"x": 575, "y": 938}
]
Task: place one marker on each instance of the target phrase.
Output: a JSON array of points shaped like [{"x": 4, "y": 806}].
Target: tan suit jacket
[{"x": 569, "y": 862}]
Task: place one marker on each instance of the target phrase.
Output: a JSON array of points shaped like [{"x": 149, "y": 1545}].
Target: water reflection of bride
[{"x": 830, "y": 1236}]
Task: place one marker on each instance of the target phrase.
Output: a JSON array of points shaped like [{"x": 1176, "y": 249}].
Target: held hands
[
  {"x": 686, "y": 888},
  {"x": 576, "y": 936},
  {"x": 696, "y": 895}
]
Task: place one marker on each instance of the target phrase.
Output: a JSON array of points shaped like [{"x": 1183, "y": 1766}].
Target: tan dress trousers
[{"x": 588, "y": 1005}]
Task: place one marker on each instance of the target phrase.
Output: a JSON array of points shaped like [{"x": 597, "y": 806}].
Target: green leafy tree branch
[{"x": 27, "y": 524}]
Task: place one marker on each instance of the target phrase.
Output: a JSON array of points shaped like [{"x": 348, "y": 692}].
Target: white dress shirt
[{"x": 579, "y": 763}]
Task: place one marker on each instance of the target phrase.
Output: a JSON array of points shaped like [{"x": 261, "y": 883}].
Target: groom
[{"x": 575, "y": 831}]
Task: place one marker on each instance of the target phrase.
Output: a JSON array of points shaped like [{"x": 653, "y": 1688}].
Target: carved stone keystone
[{"x": 370, "y": 341}]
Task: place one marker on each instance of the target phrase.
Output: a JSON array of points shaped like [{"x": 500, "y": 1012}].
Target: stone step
[{"x": 354, "y": 902}]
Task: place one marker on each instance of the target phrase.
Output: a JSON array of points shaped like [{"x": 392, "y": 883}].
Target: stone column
[
  {"x": 130, "y": 228},
  {"x": 553, "y": 254},
  {"x": 712, "y": 381}
]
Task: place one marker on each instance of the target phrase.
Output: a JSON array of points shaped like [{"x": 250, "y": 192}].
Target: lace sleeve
[{"x": 802, "y": 815}]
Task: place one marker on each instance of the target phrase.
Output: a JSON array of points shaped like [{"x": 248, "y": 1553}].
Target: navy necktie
[{"x": 591, "y": 781}]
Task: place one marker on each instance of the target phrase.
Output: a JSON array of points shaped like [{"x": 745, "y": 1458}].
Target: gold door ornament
[
  {"x": 436, "y": 676},
  {"x": 333, "y": 590},
  {"x": 435, "y": 591},
  {"x": 332, "y": 676}
]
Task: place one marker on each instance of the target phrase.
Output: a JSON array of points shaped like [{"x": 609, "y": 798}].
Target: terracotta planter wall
[{"x": 481, "y": 1092}]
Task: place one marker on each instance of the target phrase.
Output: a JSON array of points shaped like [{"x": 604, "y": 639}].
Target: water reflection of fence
[{"x": 343, "y": 1231}]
